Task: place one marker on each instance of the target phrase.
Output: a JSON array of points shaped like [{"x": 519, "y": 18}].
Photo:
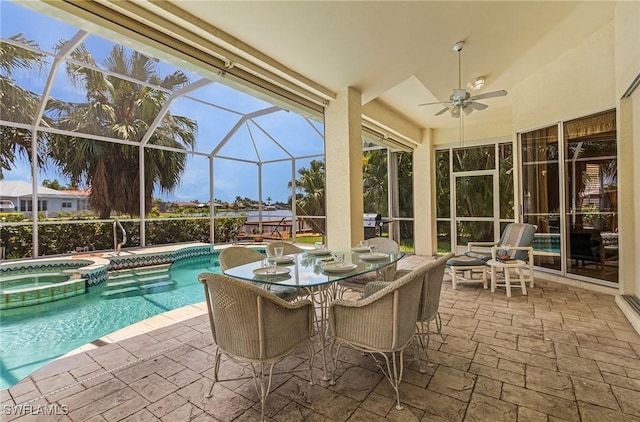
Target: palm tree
[
  {"x": 375, "y": 181},
  {"x": 16, "y": 103},
  {"x": 405, "y": 194},
  {"x": 119, "y": 108},
  {"x": 311, "y": 202}
]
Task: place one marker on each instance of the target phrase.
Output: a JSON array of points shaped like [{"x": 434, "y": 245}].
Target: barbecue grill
[{"x": 372, "y": 225}]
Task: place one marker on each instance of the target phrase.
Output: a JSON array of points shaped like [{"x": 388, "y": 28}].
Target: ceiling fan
[{"x": 461, "y": 99}]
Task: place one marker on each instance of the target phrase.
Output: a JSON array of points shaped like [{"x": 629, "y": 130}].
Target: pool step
[
  {"x": 136, "y": 281},
  {"x": 140, "y": 290},
  {"x": 160, "y": 269},
  {"x": 140, "y": 281}
]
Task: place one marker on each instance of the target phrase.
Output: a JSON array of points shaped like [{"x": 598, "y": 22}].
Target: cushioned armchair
[
  {"x": 234, "y": 256},
  {"x": 519, "y": 238},
  {"x": 382, "y": 324},
  {"x": 247, "y": 325}
]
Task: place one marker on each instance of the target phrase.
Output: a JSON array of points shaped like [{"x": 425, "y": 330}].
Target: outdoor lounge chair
[
  {"x": 382, "y": 324},
  {"x": 247, "y": 325},
  {"x": 517, "y": 236},
  {"x": 234, "y": 256}
]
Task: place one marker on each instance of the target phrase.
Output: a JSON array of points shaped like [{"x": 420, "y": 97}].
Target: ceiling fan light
[
  {"x": 455, "y": 111},
  {"x": 477, "y": 83}
]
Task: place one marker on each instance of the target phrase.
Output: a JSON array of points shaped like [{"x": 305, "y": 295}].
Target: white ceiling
[{"x": 401, "y": 52}]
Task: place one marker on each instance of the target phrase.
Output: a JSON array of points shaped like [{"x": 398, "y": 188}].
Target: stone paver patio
[{"x": 560, "y": 353}]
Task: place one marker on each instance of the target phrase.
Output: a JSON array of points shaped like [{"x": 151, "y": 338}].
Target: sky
[{"x": 216, "y": 108}]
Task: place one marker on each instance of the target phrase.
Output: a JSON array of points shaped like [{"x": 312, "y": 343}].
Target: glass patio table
[
  {"x": 318, "y": 274},
  {"x": 314, "y": 268}
]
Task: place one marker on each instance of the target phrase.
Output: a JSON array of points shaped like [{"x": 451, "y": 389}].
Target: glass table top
[{"x": 314, "y": 268}]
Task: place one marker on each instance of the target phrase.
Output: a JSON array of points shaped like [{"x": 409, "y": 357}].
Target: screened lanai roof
[{"x": 232, "y": 123}]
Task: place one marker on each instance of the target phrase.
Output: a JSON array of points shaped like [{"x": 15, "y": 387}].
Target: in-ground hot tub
[
  {"x": 31, "y": 288},
  {"x": 27, "y": 283}
]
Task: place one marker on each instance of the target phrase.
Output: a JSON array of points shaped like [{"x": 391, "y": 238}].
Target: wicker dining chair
[
  {"x": 287, "y": 247},
  {"x": 430, "y": 300},
  {"x": 234, "y": 256},
  {"x": 430, "y": 303},
  {"x": 382, "y": 324},
  {"x": 247, "y": 325},
  {"x": 386, "y": 245}
]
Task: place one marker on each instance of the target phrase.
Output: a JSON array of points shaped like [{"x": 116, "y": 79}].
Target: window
[
  {"x": 66, "y": 204},
  {"x": 27, "y": 205}
]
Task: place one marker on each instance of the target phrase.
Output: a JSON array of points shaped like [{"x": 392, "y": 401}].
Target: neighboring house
[
  {"x": 49, "y": 200},
  {"x": 189, "y": 205}
]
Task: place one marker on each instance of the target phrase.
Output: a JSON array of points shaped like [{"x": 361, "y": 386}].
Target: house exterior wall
[
  {"x": 498, "y": 129},
  {"x": 53, "y": 204},
  {"x": 578, "y": 83},
  {"x": 587, "y": 79}
]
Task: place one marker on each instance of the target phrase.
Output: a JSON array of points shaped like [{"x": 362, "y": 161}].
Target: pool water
[
  {"x": 31, "y": 337},
  {"x": 34, "y": 279}
]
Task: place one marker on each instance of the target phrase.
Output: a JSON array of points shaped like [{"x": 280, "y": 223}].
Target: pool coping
[{"x": 155, "y": 322}]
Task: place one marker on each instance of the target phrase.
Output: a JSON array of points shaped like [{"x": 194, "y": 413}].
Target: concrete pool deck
[{"x": 560, "y": 353}]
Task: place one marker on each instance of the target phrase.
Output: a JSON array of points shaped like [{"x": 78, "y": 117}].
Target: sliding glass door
[
  {"x": 591, "y": 181},
  {"x": 541, "y": 193},
  {"x": 569, "y": 190}
]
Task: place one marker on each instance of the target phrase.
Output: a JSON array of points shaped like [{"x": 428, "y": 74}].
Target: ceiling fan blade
[
  {"x": 467, "y": 108},
  {"x": 442, "y": 111},
  {"x": 478, "y": 106},
  {"x": 437, "y": 102},
  {"x": 492, "y": 94}
]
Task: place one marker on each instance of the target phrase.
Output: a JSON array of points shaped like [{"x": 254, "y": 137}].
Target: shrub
[{"x": 56, "y": 239}]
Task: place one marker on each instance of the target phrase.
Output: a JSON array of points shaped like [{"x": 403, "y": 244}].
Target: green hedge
[{"x": 55, "y": 239}]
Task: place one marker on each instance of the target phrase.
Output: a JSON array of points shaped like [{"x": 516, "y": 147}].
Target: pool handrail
[{"x": 118, "y": 245}]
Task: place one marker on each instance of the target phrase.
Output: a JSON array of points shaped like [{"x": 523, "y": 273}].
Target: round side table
[{"x": 506, "y": 267}]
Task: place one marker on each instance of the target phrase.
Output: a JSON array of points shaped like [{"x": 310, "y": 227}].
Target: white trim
[{"x": 630, "y": 313}]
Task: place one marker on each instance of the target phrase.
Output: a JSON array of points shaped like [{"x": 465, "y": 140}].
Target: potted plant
[{"x": 257, "y": 236}]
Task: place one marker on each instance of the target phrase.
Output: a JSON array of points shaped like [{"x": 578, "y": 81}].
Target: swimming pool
[{"x": 31, "y": 337}]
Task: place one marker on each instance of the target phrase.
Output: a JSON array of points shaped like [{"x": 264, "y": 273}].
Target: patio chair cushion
[
  {"x": 518, "y": 234},
  {"x": 465, "y": 261},
  {"x": 479, "y": 255}
]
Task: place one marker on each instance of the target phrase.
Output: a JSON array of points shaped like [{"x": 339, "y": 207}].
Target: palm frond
[{"x": 13, "y": 58}]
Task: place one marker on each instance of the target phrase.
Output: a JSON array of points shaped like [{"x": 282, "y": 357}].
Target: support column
[
  {"x": 343, "y": 165},
  {"x": 629, "y": 196},
  {"x": 423, "y": 203}
]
